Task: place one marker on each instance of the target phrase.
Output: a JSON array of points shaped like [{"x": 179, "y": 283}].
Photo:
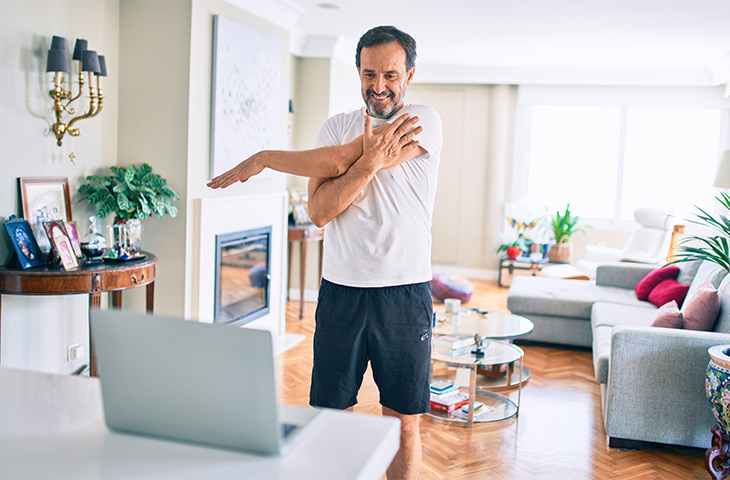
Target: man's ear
[{"x": 411, "y": 72}]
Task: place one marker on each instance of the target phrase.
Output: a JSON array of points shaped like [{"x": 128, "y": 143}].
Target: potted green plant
[
  {"x": 512, "y": 249},
  {"x": 132, "y": 194},
  {"x": 564, "y": 225},
  {"x": 714, "y": 248}
]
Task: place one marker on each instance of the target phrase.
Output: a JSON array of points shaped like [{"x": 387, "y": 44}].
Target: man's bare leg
[{"x": 407, "y": 462}]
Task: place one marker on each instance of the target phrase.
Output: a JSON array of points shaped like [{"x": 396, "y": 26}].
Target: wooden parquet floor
[{"x": 558, "y": 435}]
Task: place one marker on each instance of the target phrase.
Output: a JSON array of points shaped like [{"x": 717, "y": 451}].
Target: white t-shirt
[{"x": 384, "y": 237}]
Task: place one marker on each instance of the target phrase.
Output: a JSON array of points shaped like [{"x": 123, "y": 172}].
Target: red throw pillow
[
  {"x": 654, "y": 278},
  {"x": 668, "y": 316},
  {"x": 668, "y": 290}
]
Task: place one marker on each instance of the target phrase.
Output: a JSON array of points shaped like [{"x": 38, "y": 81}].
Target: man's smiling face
[{"x": 384, "y": 78}]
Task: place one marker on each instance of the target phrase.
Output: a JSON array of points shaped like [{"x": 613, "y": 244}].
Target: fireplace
[{"x": 242, "y": 276}]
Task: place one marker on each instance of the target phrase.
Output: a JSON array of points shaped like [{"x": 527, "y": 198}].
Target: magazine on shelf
[
  {"x": 442, "y": 388},
  {"x": 479, "y": 410},
  {"x": 453, "y": 340}
]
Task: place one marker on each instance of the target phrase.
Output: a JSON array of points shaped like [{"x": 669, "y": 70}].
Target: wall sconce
[{"x": 90, "y": 62}]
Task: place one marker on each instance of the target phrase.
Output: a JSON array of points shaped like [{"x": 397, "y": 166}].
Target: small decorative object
[
  {"x": 299, "y": 212},
  {"x": 516, "y": 242},
  {"x": 125, "y": 239},
  {"x": 564, "y": 225},
  {"x": 478, "y": 346},
  {"x": 61, "y": 243},
  {"x": 132, "y": 194},
  {"x": 93, "y": 243},
  {"x": 58, "y": 64},
  {"x": 73, "y": 233},
  {"x": 21, "y": 237},
  {"x": 717, "y": 388}
]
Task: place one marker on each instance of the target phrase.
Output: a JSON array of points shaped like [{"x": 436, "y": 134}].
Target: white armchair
[{"x": 648, "y": 244}]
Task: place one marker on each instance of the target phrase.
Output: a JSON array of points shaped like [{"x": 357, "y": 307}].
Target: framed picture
[
  {"x": 44, "y": 199},
  {"x": 247, "y": 101},
  {"x": 26, "y": 248},
  {"x": 73, "y": 233},
  {"x": 61, "y": 243}
]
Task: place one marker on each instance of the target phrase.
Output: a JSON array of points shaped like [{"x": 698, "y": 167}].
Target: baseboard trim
[{"x": 310, "y": 294}]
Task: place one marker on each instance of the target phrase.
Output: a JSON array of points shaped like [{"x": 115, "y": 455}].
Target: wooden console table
[
  {"x": 303, "y": 234},
  {"x": 91, "y": 278}
]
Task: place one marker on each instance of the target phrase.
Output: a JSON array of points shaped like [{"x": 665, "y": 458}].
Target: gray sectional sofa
[{"x": 652, "y": 379}]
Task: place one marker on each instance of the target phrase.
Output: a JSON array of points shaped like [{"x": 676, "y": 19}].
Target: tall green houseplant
[
  {"x": 713, "y": 248},
  {"x": 130, "y": 193},
  {"x": 564, "y": 225}
]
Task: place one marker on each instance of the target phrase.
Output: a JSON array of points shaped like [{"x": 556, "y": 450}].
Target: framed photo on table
[
  {"x": 61, "y": 243},
  {"x": 26, "y": 248},
  {"x": 73, "y": 233},
  {"x": 44, "y": 199}
]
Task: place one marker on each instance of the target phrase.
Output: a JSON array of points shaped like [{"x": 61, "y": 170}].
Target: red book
[{"x": 449, "y": 403}]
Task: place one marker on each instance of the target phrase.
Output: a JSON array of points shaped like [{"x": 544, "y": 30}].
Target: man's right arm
[{"x": 324, "y": 162}]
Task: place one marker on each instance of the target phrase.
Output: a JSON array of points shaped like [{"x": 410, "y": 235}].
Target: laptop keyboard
[{"x": 286, "y": 429}]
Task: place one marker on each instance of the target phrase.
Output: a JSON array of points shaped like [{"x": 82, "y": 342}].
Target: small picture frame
[
  {"x": 61, "y": 243},
  {"x": 73, "y": 233},
  {"x": 44, "y": 199},
  {"x": 26, "y": 248}
]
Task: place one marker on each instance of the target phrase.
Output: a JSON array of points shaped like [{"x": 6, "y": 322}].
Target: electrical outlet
[{"x": 74, "y": 352}]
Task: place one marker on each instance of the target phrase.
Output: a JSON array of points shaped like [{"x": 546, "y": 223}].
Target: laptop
[{"x": 211, "y": 384}]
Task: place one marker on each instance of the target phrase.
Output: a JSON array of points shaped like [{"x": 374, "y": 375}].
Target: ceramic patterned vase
[{"x": 717, "y": 385}]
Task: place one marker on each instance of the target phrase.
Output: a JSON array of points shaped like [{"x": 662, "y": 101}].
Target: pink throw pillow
[
  {"x": 701, "y": 308},
  {"x": 647, "y": 284},
  {"x": 668, "y": 290},
  {"x": 668, "y": 316}
]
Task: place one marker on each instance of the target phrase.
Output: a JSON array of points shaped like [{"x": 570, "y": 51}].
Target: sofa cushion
[
  {"x": 708, "y": 271},
  {"x": 668, "y": 290},
  {"x": 655, "y": 277},
  {"x": 668, "y": 316},
  {"x": 565, "y": 298},
  {"x": 701, "y": 308},
  {"x": 612, "y": 314},
  {"x": 687, "y": 271}
]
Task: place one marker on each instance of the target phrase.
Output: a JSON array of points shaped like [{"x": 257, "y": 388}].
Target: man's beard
[{"x": 382, "y": 110}]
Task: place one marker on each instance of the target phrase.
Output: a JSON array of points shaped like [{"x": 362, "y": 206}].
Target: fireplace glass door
[{"x": 242, "y": 275}]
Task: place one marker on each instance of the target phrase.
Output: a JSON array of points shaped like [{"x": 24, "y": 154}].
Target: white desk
[{"x": 52, "y": 426}]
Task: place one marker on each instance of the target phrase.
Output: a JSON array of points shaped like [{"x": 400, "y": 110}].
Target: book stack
[{"x": 446, "y": 397}]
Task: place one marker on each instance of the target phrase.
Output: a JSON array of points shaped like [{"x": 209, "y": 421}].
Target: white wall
[{"x": 36, "y": 330}]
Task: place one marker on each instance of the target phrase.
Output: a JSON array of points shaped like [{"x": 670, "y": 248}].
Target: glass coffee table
[
  {"x": 492, "y": 326},
  {"x": 500, "y": 368}
]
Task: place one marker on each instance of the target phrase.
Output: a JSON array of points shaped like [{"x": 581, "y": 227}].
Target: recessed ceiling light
[{"x": 329, "y": 6}]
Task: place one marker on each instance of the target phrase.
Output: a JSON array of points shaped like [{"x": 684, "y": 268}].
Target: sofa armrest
[
  {"x": 656, "y": 385},
  {"x": 622, "y": 274}
]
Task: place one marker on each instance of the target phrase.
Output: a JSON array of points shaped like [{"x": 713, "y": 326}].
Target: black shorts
[{"x": 388, "y": 326}]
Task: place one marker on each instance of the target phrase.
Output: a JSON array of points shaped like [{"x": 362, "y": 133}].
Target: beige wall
[
  {"x": 37, "y": 330},
  {"x": 156, "y": 110},
  {"x": 478, "y": 131}
]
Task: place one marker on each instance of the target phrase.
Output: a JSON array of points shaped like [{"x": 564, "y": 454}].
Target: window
[{"x": 609, "y": 160}]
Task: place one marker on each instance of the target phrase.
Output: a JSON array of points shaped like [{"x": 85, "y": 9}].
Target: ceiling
[{"x": 661, "y": 42}]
